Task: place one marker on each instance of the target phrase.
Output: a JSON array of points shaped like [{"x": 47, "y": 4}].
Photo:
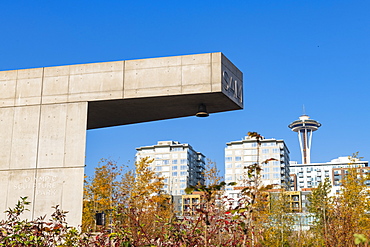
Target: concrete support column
[{"x": 42, "y": 151}]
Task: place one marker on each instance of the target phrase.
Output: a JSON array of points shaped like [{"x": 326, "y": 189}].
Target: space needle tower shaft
[{"x": 305, "y": 126}]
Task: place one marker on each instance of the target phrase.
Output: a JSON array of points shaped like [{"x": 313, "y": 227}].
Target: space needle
[{"x": 305, "y": 126}]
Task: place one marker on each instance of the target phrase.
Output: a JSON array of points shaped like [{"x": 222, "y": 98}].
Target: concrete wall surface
[{"x": 44, "y": 114}]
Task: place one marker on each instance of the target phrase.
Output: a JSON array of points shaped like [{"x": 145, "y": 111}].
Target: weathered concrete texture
[{"x": 44, "y": 114}]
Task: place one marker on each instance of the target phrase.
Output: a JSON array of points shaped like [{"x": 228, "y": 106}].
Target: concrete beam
[{"x": 44, "y": 114}]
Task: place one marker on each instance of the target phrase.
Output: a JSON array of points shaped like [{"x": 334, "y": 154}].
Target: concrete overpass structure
[{"x": 44, "y": 114}]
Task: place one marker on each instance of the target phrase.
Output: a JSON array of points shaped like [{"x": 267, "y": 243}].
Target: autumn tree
[
  {"x": 100, "y": 192},
  {"x": 349, "y": 214},
  {"x": 339, "y": 218},
  {"x": 321, "y": 206},
  {"x": 211, "y": 173},
  {"x": 252, "y": 208},
  {"x": 143, "y": 210},
  {"x": 279, "y": 226}
]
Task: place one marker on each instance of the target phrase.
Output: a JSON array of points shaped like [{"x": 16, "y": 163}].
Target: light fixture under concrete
[{"x": 202, "y": 111}]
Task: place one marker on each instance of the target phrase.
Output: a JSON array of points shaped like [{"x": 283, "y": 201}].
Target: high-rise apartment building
[
  {"x": 179, "y": 164},
  {"x": 240, "y": 154}
]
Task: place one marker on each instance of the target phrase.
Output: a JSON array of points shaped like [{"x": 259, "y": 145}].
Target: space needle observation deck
[{"x": 305, "y": 126}]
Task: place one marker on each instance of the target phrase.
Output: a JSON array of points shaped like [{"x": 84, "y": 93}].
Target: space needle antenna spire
[{"x": 305, "y": 126}]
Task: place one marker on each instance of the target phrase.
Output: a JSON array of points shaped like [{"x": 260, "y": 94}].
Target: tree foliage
[
  {"x": 139, "y": 214},
  {"x": 339, "y": 218},
  {"x": 101, "y": 192},
  {"x": 279, "y": 227},
  {"x": 17, "y": 232}
]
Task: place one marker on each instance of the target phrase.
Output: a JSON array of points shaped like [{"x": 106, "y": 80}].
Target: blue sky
[{"x": 292, "y": 53}]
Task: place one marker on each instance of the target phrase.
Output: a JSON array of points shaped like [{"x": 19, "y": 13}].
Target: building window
[
  {"x": 166, "y": 162},
  {"x": 183, "y": 173},
  {"x": 238, "y": 158},
  {"x": 228, "y": 159},
  {"x": 229, "y": 165},
  {"x": 266, "y": 176},
  {"x": 250, "y": 151},
  {"x": 265, "y": 151},
  {"x": 265, "y": 157},
  {"x": 158, "y": 156},
  {"x": 174, "y": 162},
  {"x": 174, "y": 174},
  {"x": 277, "y": 156},
  {"x": 275, "y": 163},
  {"x": 174, "y": 167},
  {"x": 183, "y": 161},
  {"x": 276, "y": 175},
  {"x": 183, "y": 167},
  {"x": 265, "y": 164},
  {"x": 250, "y": 158}
]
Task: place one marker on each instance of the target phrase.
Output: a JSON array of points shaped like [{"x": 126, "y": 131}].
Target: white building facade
[
  {"x": 310, "y": 175},
  {"x": 240, "y": 154},
  {"x": 179, "y": 164}
]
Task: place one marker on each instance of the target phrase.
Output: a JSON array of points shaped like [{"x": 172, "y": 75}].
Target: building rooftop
[{"x": 340, "y": 160}]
